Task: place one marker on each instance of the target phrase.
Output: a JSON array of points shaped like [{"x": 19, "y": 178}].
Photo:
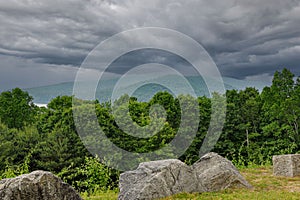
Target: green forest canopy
[{"x": 258, "y": 126}]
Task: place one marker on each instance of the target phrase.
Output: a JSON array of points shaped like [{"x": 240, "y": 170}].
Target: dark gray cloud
[
  {"x": 25, "y": 73},
  {"x": 249, "y": 38}
]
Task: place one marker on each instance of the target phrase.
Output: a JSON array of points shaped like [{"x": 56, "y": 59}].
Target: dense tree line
[{"x": 258, "y": 125}]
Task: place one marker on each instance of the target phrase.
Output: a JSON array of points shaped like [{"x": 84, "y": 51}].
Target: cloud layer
[{"x": 246, "y": 39}]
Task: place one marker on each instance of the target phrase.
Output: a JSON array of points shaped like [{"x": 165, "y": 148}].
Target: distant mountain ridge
[{"x": 44, "y": 94}]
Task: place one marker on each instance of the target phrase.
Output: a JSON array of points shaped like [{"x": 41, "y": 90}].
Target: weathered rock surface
[
  {"x": 157, "y": 179},
  {"x": 38, "y": 185},
  {"x": 286, "y": 165},
  {"x": 215, "y": 173}
]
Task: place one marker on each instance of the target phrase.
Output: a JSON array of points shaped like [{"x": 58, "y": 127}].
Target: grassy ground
[{"x": 265, "y": 187}]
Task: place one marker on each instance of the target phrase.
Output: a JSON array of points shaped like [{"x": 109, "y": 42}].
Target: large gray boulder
[
  {"x": 215, "y": 173},
  {"x": 286, "y": 165},
  {"x": 38, "y": 185},
  {"x": 158, "y": 179}
]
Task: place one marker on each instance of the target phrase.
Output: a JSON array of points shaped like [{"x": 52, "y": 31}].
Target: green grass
[
  {"x": 109, "y": 195},
  {"x": 265, "y": 187}
]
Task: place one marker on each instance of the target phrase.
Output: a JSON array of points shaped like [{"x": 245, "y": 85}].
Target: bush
[{"x": 91, "y": 176}]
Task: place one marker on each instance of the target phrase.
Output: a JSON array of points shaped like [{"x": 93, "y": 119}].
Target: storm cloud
[{"x": 43, "y": 42}]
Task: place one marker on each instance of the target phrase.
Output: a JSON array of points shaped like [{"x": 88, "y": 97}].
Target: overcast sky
[{"x": 45, "y": 41}]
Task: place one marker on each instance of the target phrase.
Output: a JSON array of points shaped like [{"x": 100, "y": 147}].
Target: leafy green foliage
[
  {"x": 258, "y": 126},
  {"x": 16, "y": 108},
  {"x": 91, "y": 176},
  {"x": 16, "y": 148}
]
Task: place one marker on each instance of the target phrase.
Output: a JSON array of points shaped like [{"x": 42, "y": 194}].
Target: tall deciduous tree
[{"x": 16, "y": 108}]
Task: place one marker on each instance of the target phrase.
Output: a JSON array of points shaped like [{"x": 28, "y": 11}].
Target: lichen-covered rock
[
  {"x": 38, "y": 185},
  {"x": 157, "y": 179},
  {"x": 286, "y": 165}
]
